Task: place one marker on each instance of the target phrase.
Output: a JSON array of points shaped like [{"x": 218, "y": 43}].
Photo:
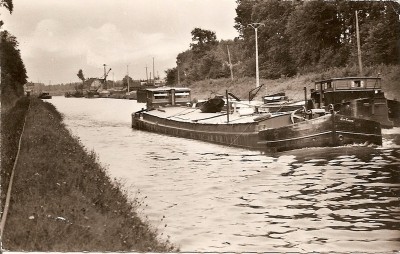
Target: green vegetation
[
  {"x": 62, "y": 199},
  {"x": 299, "y": 37}
]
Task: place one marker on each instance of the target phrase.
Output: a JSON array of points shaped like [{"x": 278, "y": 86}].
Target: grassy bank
[
  {"x": 62, "y": 199},
  {"x": 294, "y": 86},
  {"x": 11, "y": 126}
]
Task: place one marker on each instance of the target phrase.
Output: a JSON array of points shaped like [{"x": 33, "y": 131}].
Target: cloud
[{"x": 116, "y": 33}]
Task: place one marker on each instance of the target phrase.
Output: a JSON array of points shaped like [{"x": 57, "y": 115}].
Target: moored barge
[{"x": 168, "y": 113}]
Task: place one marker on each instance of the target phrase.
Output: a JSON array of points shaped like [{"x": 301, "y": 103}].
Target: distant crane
[{"x": 104, "y": 78}]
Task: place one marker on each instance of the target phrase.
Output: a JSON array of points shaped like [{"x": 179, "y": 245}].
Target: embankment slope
[
  {"x": 294, "y": 86},
  {"x": 62, "y": 199}
]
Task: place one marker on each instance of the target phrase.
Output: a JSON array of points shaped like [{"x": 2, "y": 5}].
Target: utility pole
[
  {"x": 255, "y": 26},
  {"x": 230, "y": 64},
  {"x": 154, "y": 75},
  {"x": 127, "y": 75},
  {"x": 147, "y": 77},
  {"x": 179, "y": 77},
  {"x": 358, "y": 46}
]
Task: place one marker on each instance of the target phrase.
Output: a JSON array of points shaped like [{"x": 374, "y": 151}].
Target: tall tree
[
  {"x": 274, "y": 42},
  {"x": 171, "y": 78},
  {"x": 243, "y": 17},
  {"x": 314, "y": 28},
  {"x": 125, "y": 81},
  {"x": 13, "y": 72},
  {"x": 203, "y": 40},
  {"x": 380, "y": 33},
  {"x": 8, "y": 4},
  {"x": 80, "y": 75}
]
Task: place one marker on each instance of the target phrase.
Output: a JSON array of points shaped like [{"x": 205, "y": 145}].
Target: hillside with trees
[{"x": 298, "y": 37}]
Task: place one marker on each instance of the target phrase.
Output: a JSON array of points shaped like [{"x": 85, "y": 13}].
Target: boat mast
[{"x": 358, "y": 46}]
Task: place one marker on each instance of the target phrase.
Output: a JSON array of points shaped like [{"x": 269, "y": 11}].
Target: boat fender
[{"x": 340, "y": 138}]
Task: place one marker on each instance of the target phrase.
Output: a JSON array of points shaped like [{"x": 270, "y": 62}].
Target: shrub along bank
[{"x": 62, "y": 199}]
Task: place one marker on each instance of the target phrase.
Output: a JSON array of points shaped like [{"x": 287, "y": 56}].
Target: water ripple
[{"x": 223, "y": 199}]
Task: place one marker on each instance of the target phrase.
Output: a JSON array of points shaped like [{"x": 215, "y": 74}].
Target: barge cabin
[{"x": 360, "y": 97}]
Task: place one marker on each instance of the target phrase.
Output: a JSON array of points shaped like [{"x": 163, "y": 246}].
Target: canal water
[{"x": 207, "y": 197}]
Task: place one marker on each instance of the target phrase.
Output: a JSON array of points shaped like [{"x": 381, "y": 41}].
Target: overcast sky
[{"x": 59, "y": 37}]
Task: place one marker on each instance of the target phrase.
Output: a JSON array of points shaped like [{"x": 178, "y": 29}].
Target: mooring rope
[
  {"x": 236, "y": 138},
  {"x": 182, "y": 112},
  {"x": 8, "y": 197}
]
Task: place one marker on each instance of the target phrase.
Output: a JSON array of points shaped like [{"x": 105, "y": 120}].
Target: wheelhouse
[
  {"x": 163, "y": 96},
  {"x": 339, "y": 90}
]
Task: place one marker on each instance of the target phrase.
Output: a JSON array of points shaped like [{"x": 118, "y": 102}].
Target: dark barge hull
[
  {"x": 324, "y": 131},
  {"x": 238, "y": 135},
  {"x": 319, "y": 132},
  {"x": 394, "y": 111}
]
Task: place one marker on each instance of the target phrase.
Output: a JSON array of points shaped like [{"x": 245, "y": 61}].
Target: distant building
[
  {"x": 157, "y": 82},
  {"x": 33, "y": 88}
]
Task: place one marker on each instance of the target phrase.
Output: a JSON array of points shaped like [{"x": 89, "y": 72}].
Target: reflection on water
[{"x": 218, "y": 198}]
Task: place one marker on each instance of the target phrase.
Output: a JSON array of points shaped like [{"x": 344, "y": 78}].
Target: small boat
[
  {"x": 279, "y": 102},
  {"x": 90, "y": 94},
  {"x": 44, "y": 95},
  {"x": 277, "y": 97},
  {"x": 360, "y": 97},
  {"x": 104, "y": 94},
  {"x": 168, "y": 113}
]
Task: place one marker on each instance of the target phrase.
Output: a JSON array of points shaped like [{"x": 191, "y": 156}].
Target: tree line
[
  {"x": 296, "y": 37},
  {"x": 13, "y": 72}
]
